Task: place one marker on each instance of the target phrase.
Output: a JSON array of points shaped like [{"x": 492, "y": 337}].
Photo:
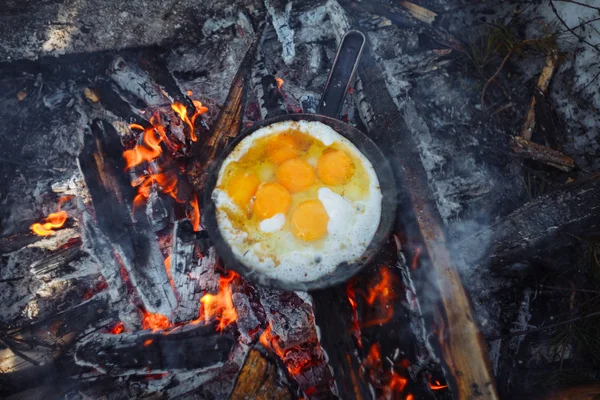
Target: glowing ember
[
  {"x": 118, "y": 329},
  {"x": 437, "y": 385},
  {"x": 168, "y": 269},
  {"x": 148, "y": 342},
  {"x": 189, "y": 93},
  {"x": 410, "y": 397},
  {"x": 415, "y": 261},
  {"x": 294, "y": 365},
  {"x": 155, "y": 322},
  {"x": 352, "y": 300},
  {"x": 279, "y": 82},
  {"x": 397, "y": 383},
  {"x": 194, "y": 214},
  {"x": 220, "y": 306},
  {"x": 383, "y": 296}
]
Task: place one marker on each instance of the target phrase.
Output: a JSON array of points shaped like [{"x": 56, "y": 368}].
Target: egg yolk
[
  {"x": 335, "y": 167},
  {"x": 283, "y": 148},
  {"x": 242, "y": 187},
  {"x": 271, "y": 199},
  {"x": 295, "y": 175},
  {"x": 309, "y": 220}
]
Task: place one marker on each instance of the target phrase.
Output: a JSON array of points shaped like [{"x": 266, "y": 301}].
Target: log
[
  {"x": 572, "y": 209},
  {"x": 188, "y": 348},
  {"x": 134, "y": 242},
  {"x": 16, "y": 241},
  {"x": 71, "y": 251},
  {"x": 258, "y": 379},
  {"x": 182, "y": 266},
  {"x": 227, "y": 125},
  {"x": 462, "y": 347},
  {"x": 110, "y": 98}
]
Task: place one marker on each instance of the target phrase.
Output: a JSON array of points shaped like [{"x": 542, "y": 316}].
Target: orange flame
[
  {"x": 155, "y": 322},
  {"x": 384, "y": 296},
  {"x": 352, "y": 300},
  {"x": 270, "y": 341},
  {"x": 148, "y": 342},
  {"x": 183, "y": 114},
  {"x": 118, "y": 329},
  {"x": 410, "y": 397},
  {"x": 194, "y": 214},
  {"x": 220, "y": 305},
  {"x": 168, "y": 269},
  {"x": 52, "y": 221},
  {"x": 279, "y": 82},
  {"x": 397, "y": 383}
]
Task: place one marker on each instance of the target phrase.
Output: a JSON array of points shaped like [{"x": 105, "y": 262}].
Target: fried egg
[{"x": 295, "y": 199}]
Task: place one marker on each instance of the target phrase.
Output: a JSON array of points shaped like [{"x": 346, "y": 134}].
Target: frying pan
[{"x": 331, "y": 101}]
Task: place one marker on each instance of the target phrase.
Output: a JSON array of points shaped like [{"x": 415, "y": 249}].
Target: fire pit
[{"x": 112, "y": 287}]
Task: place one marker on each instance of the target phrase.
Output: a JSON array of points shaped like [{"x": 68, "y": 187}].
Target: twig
[
  {"x": 569, "y": 289},
  {"x": 562, "y": 21},
  {"x": 543, "y": 328},
  {"x": 580, "y": 4},
  {"x": 506, "y": 57}
]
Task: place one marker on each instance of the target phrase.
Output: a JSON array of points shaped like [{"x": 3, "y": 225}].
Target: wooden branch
[
  {"x": 533, "y": 151},
  {"x": 541, "y": 87},
  {"x": 463, "y": 348},
  {"x": 258, "y": 380},
  {"x": 573, "y": 209},
  {"x": 134, "y": 242},
  {"x": 420, "y": 13},
  {"x": 226, "y": 127}
]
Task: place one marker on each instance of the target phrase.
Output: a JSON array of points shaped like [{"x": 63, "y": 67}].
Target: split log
[
  {"x": 527, "y": 149},
  {"x": 573, "y": 209},
  {"x": 259, "y": 380},
  {"x": 133, "y": 242},
  {"x": 143, "y": 352},
  {"x": 463, "y": 348},
  {"x": 182, "y": 266},
  {"x": 137, "y": 82},
  {"x": 227, "y": 125}
]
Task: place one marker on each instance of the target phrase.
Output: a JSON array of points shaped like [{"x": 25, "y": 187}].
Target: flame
[
  {"x": 181, "y": 110},
  {"x": 382, "y": 295},
  {"x": 53, "y": 221},
  {"x": 118, "y": 329},
  {"x": 397, "y": 383},
  {"x": 279, "y": 82},
  {"x": 270, "y": 341},
  {"x": 390, "y": 379},
  {"x": 220, "y": 305},
  {"x": 353, "y": 305},
  {"x": 437, "y": 385},
  {"x": 189, "y": 93},
  {"x": 410, "y": 397},
  {"x": 155, "y": 322},
  {"x": 415, "y": 260},
  {"x": 148, "y": 342},
  {"x": 168, "y": 269},
  {"x": 194, "y": 214},
  {"x": 148, "y": 150}
]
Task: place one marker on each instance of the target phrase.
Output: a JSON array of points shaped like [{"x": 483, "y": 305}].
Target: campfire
[{"x": 113, "y": 281}]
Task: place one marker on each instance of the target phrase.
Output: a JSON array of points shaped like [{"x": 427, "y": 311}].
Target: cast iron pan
[{"x": 331, "y": 101}]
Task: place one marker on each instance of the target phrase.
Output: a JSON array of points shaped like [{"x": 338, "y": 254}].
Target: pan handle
[{"x": 340, "y": 76}]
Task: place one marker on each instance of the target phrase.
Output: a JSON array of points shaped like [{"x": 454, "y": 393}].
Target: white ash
[{"x": 281, "y": 22}]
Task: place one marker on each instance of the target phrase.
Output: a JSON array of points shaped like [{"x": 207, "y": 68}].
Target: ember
[
  {"x": 382, "y": 296},
  {"x": 279, "y": 82},
  {"x": 155, "y": 322},
  {"x": 118, "y": 329},
  {"x": 220, "y": 305}
]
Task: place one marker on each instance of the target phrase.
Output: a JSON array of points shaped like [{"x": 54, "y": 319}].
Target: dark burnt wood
[
  {"x": 71, "y": 251},
  {"x": 462, "y": 346},
  {"x": 133, "y": 241},
  {"x": 111, "y": 100},
  {"x": 572, "y": 209},
  {"x": 191, "y": 347},
  {"x": 259, "y": 380}
]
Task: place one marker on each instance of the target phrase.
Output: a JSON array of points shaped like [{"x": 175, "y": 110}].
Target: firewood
[
  {"x": 134, "y": 80},
  {"x": 134, "y": 242},
  {"x": 110, "y": 98},
  {"x": 258, "y": 379},
  {"x": 190, "y": 347},
  {"x": 226, "y": 127},
  {"x": 16, "y": 241},
  {"x": 572, "y": 209},
  {"x": 527, "y": 149},
  {"x": 542, "y": 87},
  {"x": 67, "y": 253},
  {"x": 463, "y": 348}
]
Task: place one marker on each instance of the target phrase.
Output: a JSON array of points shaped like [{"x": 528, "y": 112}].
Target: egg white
[{"x": 351, "y": 226}]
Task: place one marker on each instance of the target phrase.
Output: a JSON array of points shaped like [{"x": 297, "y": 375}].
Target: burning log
[
  {"x": 191, "y": 347},
  {"x": 462, "y": 346},
  {"x": 259, "y": 379},
  {"x": 71, "y": 251},
  {"x": 17, "y": 241},
  {"x": 132, "y": 242},
  {"x": 226, "y": 127},
  {"x": 111, "y": 100},
  {"x": 573, "y": 209}
]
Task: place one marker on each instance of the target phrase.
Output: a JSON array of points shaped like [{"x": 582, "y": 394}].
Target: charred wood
[
  {"x": 71, "y": 251},
  {"x": 226, "y": 127},
  {"x": 134, "y": 242},
  {"x": 111, "y": 100},
  {"x": 191, "y": 347},
  {"x": 182, "y": 266},
  {"x": 573, "y": 209},
  {"x": 17, "y": 241},
  {"x": 137, "y": 83},
  {"x": 259, "y": 379}
]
